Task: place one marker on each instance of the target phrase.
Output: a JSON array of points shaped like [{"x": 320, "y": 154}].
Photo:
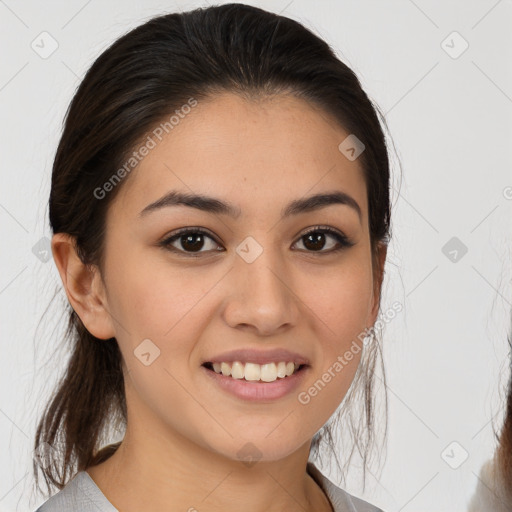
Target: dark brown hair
[{"x": 138, "y": 81}]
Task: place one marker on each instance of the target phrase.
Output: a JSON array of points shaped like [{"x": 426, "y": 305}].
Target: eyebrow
[{"x": 216, "y": 206}]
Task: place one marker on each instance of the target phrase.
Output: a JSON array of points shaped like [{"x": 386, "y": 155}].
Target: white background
[{"x": 451, "y": 122}]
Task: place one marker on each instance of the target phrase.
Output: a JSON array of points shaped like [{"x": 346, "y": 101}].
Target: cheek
[
  {"x": 340, "y": 305},
  {"x": 158, "y": 303},
  {"x": 154, "y": 299},
  {"x": 341, "y": 300}
]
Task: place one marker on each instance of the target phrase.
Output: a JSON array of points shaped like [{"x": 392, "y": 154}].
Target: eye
[
  {"x": 315, "y": 239},
  {"x": 191, "y": 240}
]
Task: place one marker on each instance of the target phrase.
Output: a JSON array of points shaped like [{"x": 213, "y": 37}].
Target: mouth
[
  {"x": 255, "y": 373},
  {"x": 254, "y": 383}
]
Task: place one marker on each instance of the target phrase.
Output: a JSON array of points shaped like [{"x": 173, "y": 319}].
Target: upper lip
[{"x": 258, "y": 356}]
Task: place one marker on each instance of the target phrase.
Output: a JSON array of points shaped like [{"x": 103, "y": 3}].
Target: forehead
[{"x": 253, "y": 152}]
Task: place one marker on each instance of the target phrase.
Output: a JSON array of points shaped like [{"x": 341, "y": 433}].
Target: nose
[{"x": 261, "y": 297}]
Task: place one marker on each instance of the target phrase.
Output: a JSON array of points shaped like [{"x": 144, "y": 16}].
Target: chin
[{"x": 258, "y": 448}]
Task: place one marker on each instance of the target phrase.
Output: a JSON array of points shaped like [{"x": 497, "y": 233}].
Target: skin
[{"x": 183, "y": 433}]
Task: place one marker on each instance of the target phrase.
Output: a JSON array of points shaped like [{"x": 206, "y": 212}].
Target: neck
[{"x": 149, "y": 472}]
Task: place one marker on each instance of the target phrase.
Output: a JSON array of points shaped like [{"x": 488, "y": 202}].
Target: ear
[
  {"x": 378, "y": 277},
  {"x": 84, "y": 287}
]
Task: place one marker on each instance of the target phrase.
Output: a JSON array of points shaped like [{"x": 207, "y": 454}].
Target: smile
[
  {"x": 247, "y": 381},
  {"x": 252, "y": 372}
]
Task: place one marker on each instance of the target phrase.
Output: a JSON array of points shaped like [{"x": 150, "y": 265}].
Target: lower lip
[{"x": 258, "y": 391}]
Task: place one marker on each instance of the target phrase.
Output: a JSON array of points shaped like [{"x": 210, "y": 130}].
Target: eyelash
[{"x": 343, "y": 241}]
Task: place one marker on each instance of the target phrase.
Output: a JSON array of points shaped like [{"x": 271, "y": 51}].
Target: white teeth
[
  {"x": 281, "y": 370},
  {"x": 254, "y": 372},
  {"x": 237, "y": 370},
  {"x": 225, "y": 369},
  {"x": 268, "y": 372}
]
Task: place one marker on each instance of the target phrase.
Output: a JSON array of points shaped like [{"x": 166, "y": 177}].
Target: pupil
[
  {"x": 196, "y": 242},
  {"x": 318, "y": 240}
]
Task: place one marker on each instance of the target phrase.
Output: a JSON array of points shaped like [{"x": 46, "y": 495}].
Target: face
[{"x": 250, "y": 279}]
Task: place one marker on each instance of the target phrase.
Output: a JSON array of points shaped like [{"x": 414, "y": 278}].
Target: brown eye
[
  {"x": 189, "y": 241},
  {"x": 316, "y": 239},
  {"x": 193, "y": 242}
]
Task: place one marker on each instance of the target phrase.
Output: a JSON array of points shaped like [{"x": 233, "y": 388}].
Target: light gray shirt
[{"x": 81, "y": 494}]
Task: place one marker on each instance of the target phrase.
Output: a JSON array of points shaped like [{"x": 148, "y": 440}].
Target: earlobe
[{"x": 83, "y": 286}]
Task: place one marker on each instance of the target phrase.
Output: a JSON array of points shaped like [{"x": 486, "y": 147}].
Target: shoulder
[
  {"x": 79, "y": 494},
  {"x": 341, "y": 500}
]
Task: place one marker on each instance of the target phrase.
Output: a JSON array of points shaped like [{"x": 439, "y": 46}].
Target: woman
[{"x": 220, "y": 210}]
